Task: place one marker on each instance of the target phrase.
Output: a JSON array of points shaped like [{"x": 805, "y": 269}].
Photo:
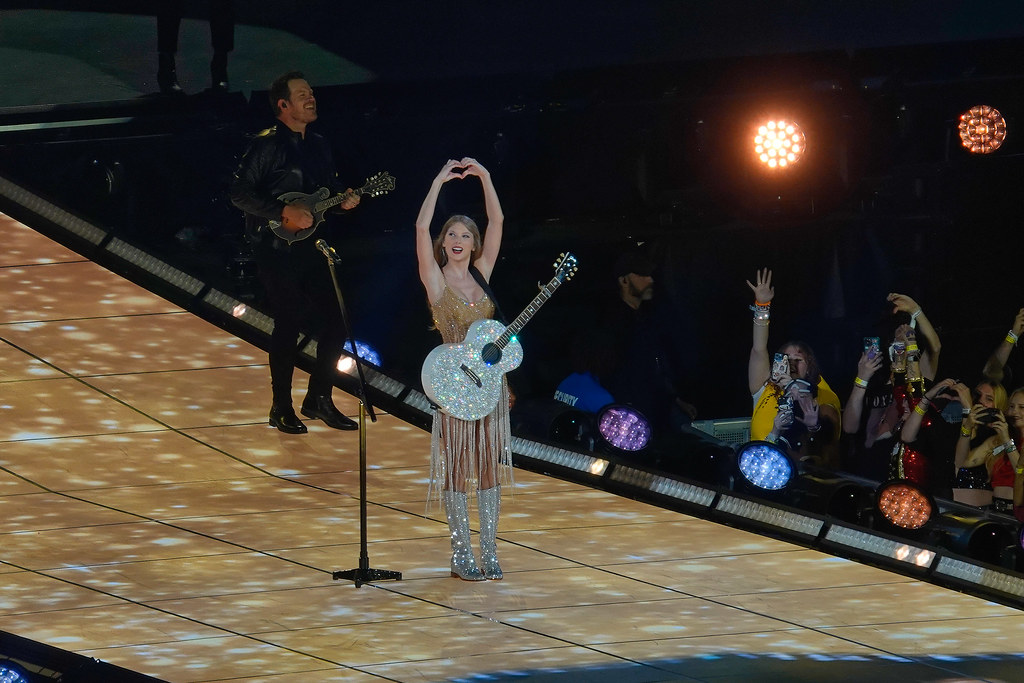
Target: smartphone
[
  {"x": 873, "y": 346},
  {"x": 988, "y": 416},
  {"x": 780, "y": 366}
]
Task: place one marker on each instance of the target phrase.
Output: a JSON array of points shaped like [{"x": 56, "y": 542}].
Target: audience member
[
  {"x": 791, "y": 384},
  {"x": 925, "y": 454},
  {"x": 644, "y": 373},
  {"x": 872, "y": 417},
  {"x": 987, "y": 454}
]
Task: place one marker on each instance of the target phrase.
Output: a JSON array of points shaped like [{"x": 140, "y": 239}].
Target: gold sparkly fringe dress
[{"x": 472, "y": 447}]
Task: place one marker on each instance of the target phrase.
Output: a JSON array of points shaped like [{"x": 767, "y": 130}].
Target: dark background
[{"x": 604, "y": 125}]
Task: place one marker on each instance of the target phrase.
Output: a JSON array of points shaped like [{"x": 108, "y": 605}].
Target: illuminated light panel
[
  {"x": 237, "y": 309},
  {"x": 155, "y": 266},
  {"x": 904, "y": 505},
  {"x": 765, "y": 466},
  {"x": 41, "y": 207},
  {"x": 982, "y": 129},
  {"x": 664, "y": 485},
  {"x": 779, "y": 143},
  {"x": 559, "y": 456},
  {"x": 624, "y": 428},
  {"x": 879, "y": 545},
  {"x": 772, "y": 516},
  {"x": 417, "y": 399},
  {"x": 971, "y": 573}
]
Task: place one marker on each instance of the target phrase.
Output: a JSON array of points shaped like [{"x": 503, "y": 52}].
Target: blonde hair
[
  {"x": 439, "y": 254},
  {"x": 999, "y": 397}
]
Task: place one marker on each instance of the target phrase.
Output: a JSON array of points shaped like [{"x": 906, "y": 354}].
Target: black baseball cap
[{"x": 633, "y": 262}]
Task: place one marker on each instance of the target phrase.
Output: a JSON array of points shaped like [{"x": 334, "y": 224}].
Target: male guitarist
[{"x": 281, "y": 159}]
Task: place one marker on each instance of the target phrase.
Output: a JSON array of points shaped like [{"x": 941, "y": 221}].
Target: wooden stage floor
[{"x": 151, "y": 519}]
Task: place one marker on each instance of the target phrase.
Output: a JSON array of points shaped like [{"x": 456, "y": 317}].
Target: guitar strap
[{"x": 479, "y": 277}]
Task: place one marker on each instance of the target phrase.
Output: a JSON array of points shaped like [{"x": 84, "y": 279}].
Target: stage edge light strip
[
  {"x": 665, "y": 486},
  {"x": 151, "y": 264},
  {"x": 879, "y": 545},
  {"x": 236, "y": 309},
  {"x": 45, "y": 209},
  {"x": 980, "y": 576},
  {"x": 417, "y": 399},
  {"x": 561, "y": 457},
  {"x": 773, "y": 516}
]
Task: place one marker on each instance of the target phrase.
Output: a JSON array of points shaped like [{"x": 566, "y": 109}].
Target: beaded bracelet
[{"x": 762, "y": 312}]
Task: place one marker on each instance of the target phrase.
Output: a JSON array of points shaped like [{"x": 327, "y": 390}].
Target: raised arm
[
  {"x": 925, "y": 330},
  {"x": 430, "y": 271},
  {"x": 963, "y": 443},
  {"x": 997, "y": 361},
  {"x": 495, "y": 217},
  {"x": 854, "y": 409},
  {"x": 759, "y": 366},
  {"x": 912, "y": 425}
]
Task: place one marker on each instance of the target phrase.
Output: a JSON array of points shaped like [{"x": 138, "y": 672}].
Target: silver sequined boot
[
  {"x": 489, "y": 501},
  {"x": 463, "y": 562}
]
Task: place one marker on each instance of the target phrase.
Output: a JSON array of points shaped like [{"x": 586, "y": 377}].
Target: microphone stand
[{"x": 364, "y": 573}]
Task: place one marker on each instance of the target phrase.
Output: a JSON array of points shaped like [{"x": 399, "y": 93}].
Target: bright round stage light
[
  {"x": 623, "y": 428},
  {"x": 904, "y": 505},
  {"x": 982, "y": 129},
  {"x": 10, "y": 674},
  {"x": 765, "y": 466},
  {"x": 779, "y": 143}
]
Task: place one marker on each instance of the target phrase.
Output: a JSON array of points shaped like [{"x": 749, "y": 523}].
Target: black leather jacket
[{"x": 279, "y": 160}]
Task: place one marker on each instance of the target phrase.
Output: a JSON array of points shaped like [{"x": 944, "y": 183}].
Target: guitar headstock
[
  {"x": 565, "y": 267},
  {"x": 378, "y": 184}
]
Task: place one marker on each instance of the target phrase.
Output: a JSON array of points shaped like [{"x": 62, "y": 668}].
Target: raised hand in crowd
[{"x": 997, "y": 361}]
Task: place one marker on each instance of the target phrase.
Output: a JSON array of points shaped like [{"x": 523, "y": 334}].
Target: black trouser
[
  {"x": 301, "y": 295},
  {"x": 222, "y": 25}
]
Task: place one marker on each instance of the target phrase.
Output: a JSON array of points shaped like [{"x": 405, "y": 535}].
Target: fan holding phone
[{"x": 793, "y": 404}]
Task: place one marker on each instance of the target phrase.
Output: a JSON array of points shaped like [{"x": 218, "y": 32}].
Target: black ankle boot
[
  {"x": 323, "y": 408},
  {"x": 286, "y": 420},
  {"x": 219, "y": 71},
  {"x": 167, "y": 75}
]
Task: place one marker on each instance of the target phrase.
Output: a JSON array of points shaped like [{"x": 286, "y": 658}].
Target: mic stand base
[{"x": 366, "y": 574}]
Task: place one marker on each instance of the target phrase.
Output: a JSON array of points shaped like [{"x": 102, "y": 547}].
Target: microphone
[{"x": 327, "y": 250}]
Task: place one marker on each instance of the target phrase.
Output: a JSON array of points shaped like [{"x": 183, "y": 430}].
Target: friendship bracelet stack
[
  {"x": 762, "y": 312},
  {"x": 922, "y": 406},
  {"x": 1008, "y": 447},
  {"x": 913, "y": 318}
]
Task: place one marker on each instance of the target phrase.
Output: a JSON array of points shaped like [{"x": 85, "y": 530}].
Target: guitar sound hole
[{"x": 490, "y": 354}]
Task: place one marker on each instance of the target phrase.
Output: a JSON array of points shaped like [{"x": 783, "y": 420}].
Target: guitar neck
[
  {"x": 516, "y": 325},
  {"x": 335, "y": 200}
]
